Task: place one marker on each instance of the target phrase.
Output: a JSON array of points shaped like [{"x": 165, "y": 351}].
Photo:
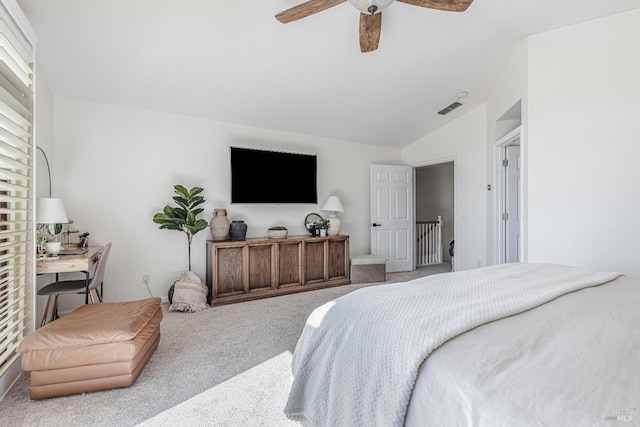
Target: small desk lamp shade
[
  {"x": 333, "y": 205},
  {"x": 50, "y": 211}
]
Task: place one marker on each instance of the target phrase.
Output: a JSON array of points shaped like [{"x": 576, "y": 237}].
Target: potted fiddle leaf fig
[{"x": 184, "y": 217}]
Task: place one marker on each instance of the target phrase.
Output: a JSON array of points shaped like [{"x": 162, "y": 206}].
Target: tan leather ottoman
[{"x": 95, "y": 347}]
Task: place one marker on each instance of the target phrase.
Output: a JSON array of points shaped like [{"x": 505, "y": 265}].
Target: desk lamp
[
  {"x": 333, "y": 205},
  {"x": 48, "y": 213}
]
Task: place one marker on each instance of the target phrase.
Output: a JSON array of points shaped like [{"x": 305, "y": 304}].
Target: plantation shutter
[{"x": 16, "y": 189}]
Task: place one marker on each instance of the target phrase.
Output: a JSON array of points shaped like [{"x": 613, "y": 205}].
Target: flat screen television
[{"x": 262, "y": 176}]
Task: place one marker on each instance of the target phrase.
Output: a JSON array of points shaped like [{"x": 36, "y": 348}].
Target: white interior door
[
  {"x": 509, "y": 199},
  {"x": 512, "y": 203},
  {"x": 392, "y": 223}
]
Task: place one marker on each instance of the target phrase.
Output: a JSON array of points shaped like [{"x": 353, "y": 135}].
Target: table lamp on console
[
  {"x": 49, "y": 212},
  {"x": 333, "y": 205}
]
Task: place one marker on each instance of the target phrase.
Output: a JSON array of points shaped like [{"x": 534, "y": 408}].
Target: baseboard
[{"x": 10, "y": 376}]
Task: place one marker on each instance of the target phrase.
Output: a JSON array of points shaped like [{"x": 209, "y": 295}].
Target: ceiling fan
[{"x": 370, "y": 14}]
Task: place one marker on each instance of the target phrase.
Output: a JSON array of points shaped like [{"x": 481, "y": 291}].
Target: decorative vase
[
  {"x": 238, "y": 230},
  {"x": 219, "y": 225}
]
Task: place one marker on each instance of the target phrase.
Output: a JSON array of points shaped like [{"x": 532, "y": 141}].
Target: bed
[{"x": 507, "y": 345}]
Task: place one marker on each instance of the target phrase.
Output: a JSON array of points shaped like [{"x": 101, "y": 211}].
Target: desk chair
[{"x": 55, "y": 289}]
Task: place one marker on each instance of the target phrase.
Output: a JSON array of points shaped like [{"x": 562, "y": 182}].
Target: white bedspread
[
  {"x": 357, "y": 359},
  {"x": 570, "y": 362}
]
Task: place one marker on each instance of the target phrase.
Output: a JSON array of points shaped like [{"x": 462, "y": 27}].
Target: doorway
[
  {"x": 395, "y": 202},
  {"x": 434, "y": 197},
  {"x": 508, "y": 198}
]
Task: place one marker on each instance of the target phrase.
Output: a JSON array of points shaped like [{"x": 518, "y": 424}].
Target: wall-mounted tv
[{"x": 262, "y": 176}]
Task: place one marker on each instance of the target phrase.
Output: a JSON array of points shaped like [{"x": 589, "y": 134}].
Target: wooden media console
[{"x": 260, "y": 268}]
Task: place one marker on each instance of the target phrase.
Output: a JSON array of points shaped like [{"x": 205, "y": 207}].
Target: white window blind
[{"x": 16, "y": 190}]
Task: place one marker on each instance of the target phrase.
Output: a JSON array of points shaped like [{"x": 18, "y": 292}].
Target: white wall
[
  {"x": 44, "y": 114},
  {"x": 584, "y": 123},
  {"x": 464, "y": 142},
  {"x": 115, "y": 167}
]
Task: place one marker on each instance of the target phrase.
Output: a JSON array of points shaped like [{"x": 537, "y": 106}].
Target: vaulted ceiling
[{"x": 232, "y": 61}]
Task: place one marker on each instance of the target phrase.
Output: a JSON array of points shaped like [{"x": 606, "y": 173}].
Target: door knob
[{"x": 376, "y": 225}]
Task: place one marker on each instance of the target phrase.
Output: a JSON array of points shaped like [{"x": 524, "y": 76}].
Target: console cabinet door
[
  {"x": 260, "y": 267},
  {"x": 289, "y": 264},
  {"x": 229, "y": 274},
  {"x": 314, "y": 261},
  {"x": 338, "y": 259}
]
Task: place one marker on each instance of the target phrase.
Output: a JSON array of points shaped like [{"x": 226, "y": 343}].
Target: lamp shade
[
  {"x": 50, "y": 211},
  {"x": 333, "y": 204}
]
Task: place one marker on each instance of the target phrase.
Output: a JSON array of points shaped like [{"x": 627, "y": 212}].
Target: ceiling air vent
[{"x": 449, "y": 108}]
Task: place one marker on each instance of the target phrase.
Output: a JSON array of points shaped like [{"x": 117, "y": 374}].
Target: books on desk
[
  {"x": 47, "y": 258},
  {"x": 78, "y": 251}
]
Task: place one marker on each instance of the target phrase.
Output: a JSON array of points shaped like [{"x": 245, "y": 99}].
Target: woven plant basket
[{"x": 277, "y": 234}]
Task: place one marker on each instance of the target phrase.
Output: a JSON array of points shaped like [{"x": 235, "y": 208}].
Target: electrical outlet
[{"x": 146, "y": 279}]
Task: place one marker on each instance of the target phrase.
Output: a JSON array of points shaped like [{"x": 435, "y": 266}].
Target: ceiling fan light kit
[
  {"x": 370, "y": 6},
  {"x": 370, "y": 14}
]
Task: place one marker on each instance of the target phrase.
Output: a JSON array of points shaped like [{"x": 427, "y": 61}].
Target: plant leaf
[
  {"x": 196, "y": 201},
  {"x": 202, "y": 224},
  {"x": 168, "y": 211},
  {"x": 191, "y": 218},
  {"x": 181, "y": 190},
  {"x": 195, "y": 191},
  {"x": 180, "y": 213},
  {"x": 170, "y": 226},
  {"x": 181, "y": 201},
  {"x": 159, "y": 218}
]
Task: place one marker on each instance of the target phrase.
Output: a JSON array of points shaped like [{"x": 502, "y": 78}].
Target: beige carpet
[
  {"x": 251, "y": 399},
  {"x": 225, "y": 366}
]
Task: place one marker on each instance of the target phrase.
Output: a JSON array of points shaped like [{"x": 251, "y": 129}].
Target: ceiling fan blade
[
  {"x": 370, "y": 26},
  {"x": 305, "y": 9},
  {"x": 447, "y": 5}
]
